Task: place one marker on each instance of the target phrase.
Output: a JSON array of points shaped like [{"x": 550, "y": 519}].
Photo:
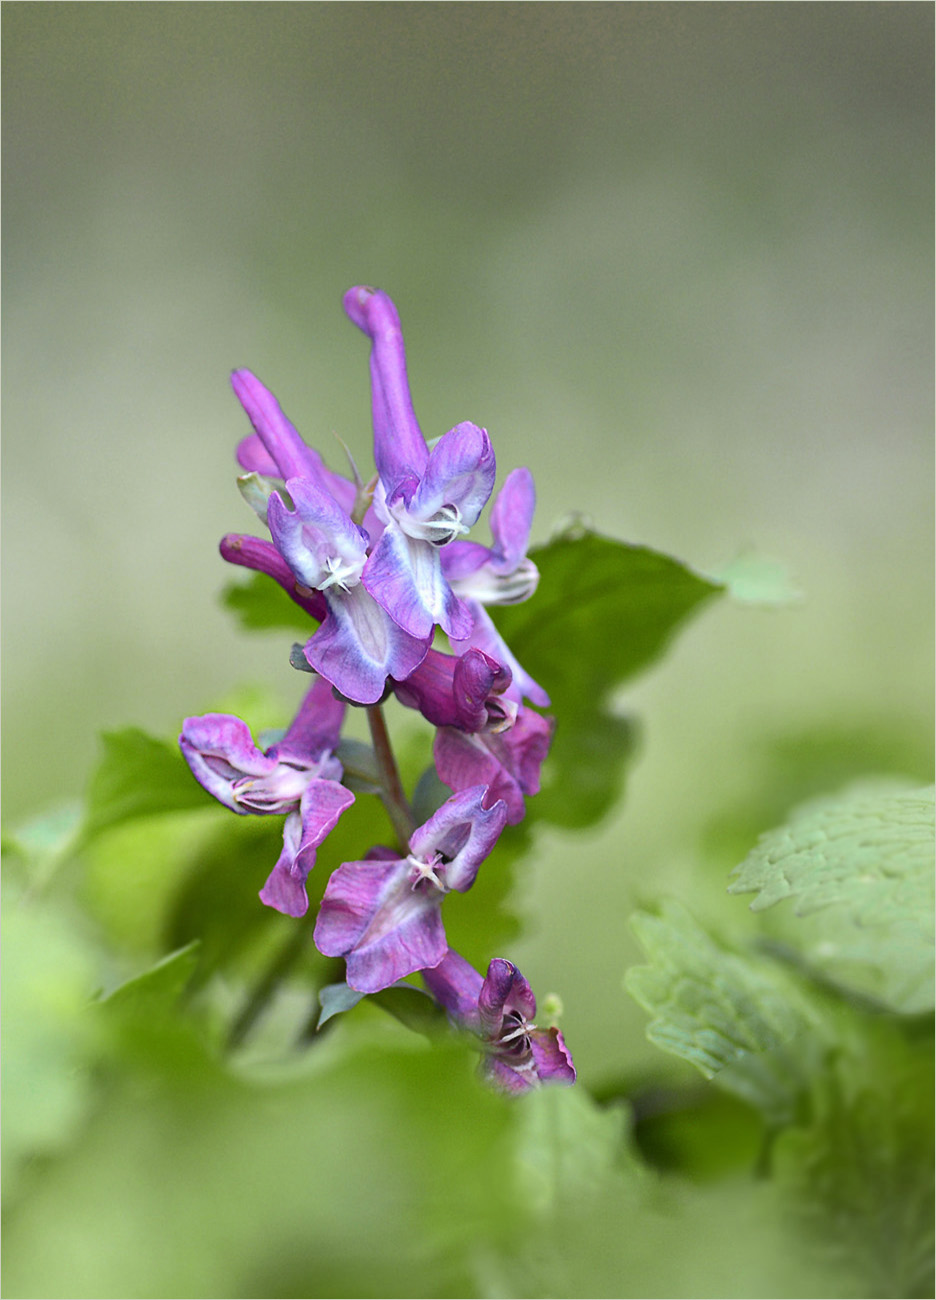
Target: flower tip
[{"x": 371, "y": 310}]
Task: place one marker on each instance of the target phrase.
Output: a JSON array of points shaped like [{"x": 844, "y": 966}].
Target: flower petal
[
  {"x": 512, "y": 519},
  {"x": 318, "y": 539},
  {"x": 316, "y": 728},
  {"x": 464, "y": 831},
  {"x": 384, "y": 927},
  {"x": 321, "y": 806},
  {"x": 399, "y": 447},
  {"x": 455, "y": 985},
  {"x": 404, "y": 575},
  {"x": 263, "y": 557},
  {"x": 485, "y": 636},
  {"x": 359, "y": 646},
  {"x": 290, "y": 456},
  {"x": 553, "y": 1060},
  {"x": 460, "y": 473},
  {"x": 220, "y": 750},
  {"x": 504, "y": 989}
]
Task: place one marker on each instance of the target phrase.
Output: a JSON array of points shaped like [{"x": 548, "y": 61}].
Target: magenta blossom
[
  {"x": 424, "y": 498},
  {"x": 467, "y": 692},
  {"x": 383, "y": 914},
  {"x": 358, "y": 645},
  {"x": 500, "y": 1009},
  {"x": 507, "y": 761},
  {"x": 298, "y": 777}
]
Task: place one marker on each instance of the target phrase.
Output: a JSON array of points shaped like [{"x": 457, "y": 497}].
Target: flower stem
[{"x": 391, "y": 791}]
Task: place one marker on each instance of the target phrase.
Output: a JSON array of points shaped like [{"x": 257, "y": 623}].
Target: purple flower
[
  {"x": 425, "y": 499},
  {"x": 499, "y": 575},
  {"x": 297, "y": 776},
  {"x": 500, "y": 1009},
  {"x": 383, "y": 914},
  {"x": 358, "y": 645},
  {"x": 508, "y": 762},
  {"x": 465, "y": 692}
]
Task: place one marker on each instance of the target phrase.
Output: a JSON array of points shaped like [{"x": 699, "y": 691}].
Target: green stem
[{"x": 391, "y": 793}]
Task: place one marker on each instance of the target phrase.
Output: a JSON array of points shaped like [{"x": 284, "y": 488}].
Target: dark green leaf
[{"x": 261, "y": 604}]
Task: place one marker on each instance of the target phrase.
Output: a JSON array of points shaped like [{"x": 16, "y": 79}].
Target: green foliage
[
  {"x": 137, "y": 776},
  {"x": 618, "y": 607},
  {"x": 866, "y": 857},
  {"x": 260, "y": 604},
  {"x": 732, "y": 1015}
]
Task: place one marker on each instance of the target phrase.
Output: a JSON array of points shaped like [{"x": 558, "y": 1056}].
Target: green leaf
[
  {"x": 137, "y": 776},
  {"x": 334, "y": 999},
  {"x": 857, "y": 1174},
  {"x": 157, "y": 990},
  {"x": 733, "y": 1016},
  {"x": 864, "y": 859},
  {"x": 753, "y": 579},
  {"x": 50, "y": 1032},
  {"x": 260, "y": 604},
  {"x": 603, "y": 612}
]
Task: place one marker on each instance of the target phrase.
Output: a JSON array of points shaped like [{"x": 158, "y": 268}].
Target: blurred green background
[{"x": 676, "y": 258}]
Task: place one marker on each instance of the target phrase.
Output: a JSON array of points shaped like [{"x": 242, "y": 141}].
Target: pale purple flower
[
  {"x": 383, "y": 914},
  {"x": 358, "y": 645},
  {"x": 501, "y": 574},
  {"x": 424, "y": 498},
  {"x": 500, "y": 1009},
  {"x": 508, "y": 762},
  {"x": 298, "y": 777}
]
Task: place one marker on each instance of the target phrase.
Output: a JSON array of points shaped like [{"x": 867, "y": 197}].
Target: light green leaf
[
  {"x": 733, "y": 1016},
  {"x": 753, "y": 579},
  {"x": 50, "y": 1032},
  {"x": 158, "y": 989},
  {"x": 864, "y": 860},
  {"x": 603, "y": 612},
  {"x": 138, "y": 775}
]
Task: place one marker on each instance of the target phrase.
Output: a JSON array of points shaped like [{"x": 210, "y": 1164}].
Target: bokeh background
[{"x": 677, "y": 258}]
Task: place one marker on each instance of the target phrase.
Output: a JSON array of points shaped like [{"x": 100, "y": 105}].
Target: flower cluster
[{"x": 381, "y": 568}]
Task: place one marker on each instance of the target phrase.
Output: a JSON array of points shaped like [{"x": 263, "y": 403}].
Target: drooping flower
[
  {"x": 424, "y": 498},
  {"x": 383, "y": 914},
  {"x": 507, "y": 761},
  {"x": 466, "y": 691},
  {"x": 358, "y": 645},
  {"x": 298, "y": 776},
  {"x": 500, "y": 1009}
]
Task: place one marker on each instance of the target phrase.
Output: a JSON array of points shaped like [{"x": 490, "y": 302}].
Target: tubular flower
[
  {"x": 507, "y": 761},
  {"x": 298, "y": 777},
  {"x": 499, "y": 575},
  {"x": 467, "y": 692},
  {"x": 383, "y": 914},
  {"x": 424, "y": 499},
  {"x": 500, "y": 1009}
]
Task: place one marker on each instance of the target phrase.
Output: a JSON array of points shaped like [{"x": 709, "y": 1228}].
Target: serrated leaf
[
  {"x": 732, "y": 1016},
  {"x": 260, "y": 604},
  {"x": 567, "y": 1147},
  {"x": 138, "y": 775},
  {"x": 857, "y": 1172},
  {"x": 603, "y": 612},
  {"x": 864, "y": 859}
]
